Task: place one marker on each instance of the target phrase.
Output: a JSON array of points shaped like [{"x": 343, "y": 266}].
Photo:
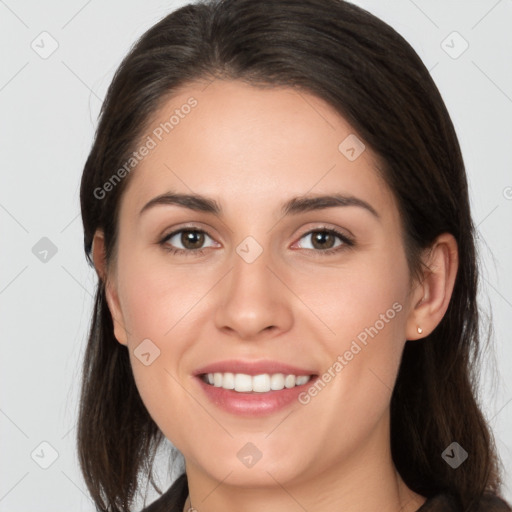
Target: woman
[{"x": 277, "y": 209}]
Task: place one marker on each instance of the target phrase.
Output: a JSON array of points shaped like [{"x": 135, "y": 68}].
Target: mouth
[
  {"x": 261, "y": 383},
  {"x": 253, "y": 388}
]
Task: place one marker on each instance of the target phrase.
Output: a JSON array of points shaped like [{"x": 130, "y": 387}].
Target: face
[{"x": 255, "y": 292}]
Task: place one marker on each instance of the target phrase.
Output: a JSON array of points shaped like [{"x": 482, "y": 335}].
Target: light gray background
[{"x": 49, "y": 109}]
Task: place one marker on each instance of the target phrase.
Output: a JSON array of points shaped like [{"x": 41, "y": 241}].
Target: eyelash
[{"x": 347, "y": 242}]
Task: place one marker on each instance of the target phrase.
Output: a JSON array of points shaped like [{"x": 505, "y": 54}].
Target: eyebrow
[{"x": 294, "y": 206}]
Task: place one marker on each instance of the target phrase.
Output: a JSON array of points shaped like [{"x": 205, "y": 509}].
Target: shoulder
[
  {"x": 446, "y": 503},
  {"x": 493, "y": 503},
  {"x": 173, "y": 500}
]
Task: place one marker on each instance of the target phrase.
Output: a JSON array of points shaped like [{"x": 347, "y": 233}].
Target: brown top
[
  {"x": 174, "y": 500},
  {"x": 444, "y": 503}
]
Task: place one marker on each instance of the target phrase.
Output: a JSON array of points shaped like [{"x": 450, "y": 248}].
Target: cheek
[
  {"x": 157, "y": 307},
  {"x": 155, "y": 297},
  {"x": 363, "y": 301},
  {"x": 376, "y": 319},
  {"x": 368, "y": 318}
]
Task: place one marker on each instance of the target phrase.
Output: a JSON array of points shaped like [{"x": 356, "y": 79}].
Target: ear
[
  {"x": 430, "y": 298},
  {"x": 111, "y": 294}
]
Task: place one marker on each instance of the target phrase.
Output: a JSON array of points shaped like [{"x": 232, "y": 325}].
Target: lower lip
[{"x": 253, "y": 404}]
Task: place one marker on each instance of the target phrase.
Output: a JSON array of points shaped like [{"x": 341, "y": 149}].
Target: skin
[{"x": 251, "y": 149}]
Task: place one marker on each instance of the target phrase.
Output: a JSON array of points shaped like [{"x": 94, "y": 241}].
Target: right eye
[{"x": 188, "y": 236}]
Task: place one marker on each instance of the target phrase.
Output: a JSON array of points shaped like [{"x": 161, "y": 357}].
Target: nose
[{"x": 253, "y": 300}]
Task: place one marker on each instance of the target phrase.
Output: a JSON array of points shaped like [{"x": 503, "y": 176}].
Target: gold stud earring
[{"x": 420, "y": 330}]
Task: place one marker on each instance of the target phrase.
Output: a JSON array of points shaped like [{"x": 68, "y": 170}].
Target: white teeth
[
  {"x": 277, "y": 381},
  {"x": 262, "y": 383},
  {"x": 228, "y": 381},
  {"x": 302, "y": 380},
  {"x": 217, "y": 380},
  {"x": 289, "y": 381},
  {"x": 243, "y": 382}
]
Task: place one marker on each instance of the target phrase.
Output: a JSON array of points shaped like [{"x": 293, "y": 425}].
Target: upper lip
[{"x": 253, "y": 368}]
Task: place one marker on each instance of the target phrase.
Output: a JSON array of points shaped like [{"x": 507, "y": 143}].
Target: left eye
[{"x": 322, "y": 238}]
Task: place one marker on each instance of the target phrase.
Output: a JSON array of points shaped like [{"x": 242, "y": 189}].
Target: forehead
[{"x": 252, "y": 147}]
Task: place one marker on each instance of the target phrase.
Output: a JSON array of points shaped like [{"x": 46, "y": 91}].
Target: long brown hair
[{"x": 373, "y": 78}]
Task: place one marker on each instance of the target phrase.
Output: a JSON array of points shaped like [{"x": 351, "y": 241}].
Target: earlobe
[
  {"x": 432, "y": 296},
  {"x": 111, "y": 295}
]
